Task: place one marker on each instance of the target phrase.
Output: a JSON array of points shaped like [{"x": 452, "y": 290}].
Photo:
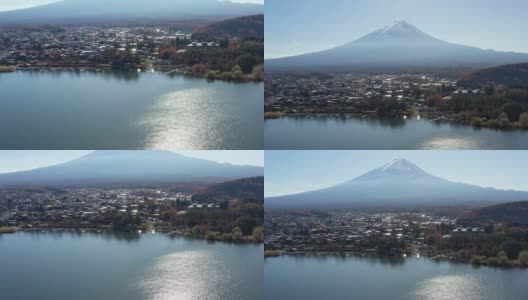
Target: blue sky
[
  {"x": 17, "y": 4},
  {"x": 289, "y": 172},
  {"x": 11, "y": 161},
  {"x": 301, "y": 26}
]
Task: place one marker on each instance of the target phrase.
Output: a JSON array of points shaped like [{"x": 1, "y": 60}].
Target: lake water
[
  {"x": 109, "y": 110},
  {"x": 290, "y": 277},
  {"x": 52, "y": 266},
  {"x": 374, "y": 134}
]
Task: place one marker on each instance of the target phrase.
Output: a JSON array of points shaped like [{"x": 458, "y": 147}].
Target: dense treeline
[
  {"x": 497, "y": 108},
  {"x": 500, "y": 245},
  {"x": 223, "y": 224},
  {"x": 243, "y": 60}
]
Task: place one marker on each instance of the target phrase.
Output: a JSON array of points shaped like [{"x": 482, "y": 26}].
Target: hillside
[
  {"x": 514, "y": 213},
  {"x": 243, "y": 189},
  {"x": 510, "y": 75},
  {"x": 248, "y": 27}
]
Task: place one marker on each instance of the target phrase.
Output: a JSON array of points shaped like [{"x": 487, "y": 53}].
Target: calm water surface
[
  {"x": 111, "y": 267},
  {"x": 108, "y": 110},
  {"x": 374, "y": 134},
  {"x": 369, "y": 278}
]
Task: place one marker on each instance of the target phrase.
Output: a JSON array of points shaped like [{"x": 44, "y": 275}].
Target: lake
[
  {"x": 289, "y": 277},
  {"x": 374, "y": 134},
  {"x": 113, "y": 110},
  {"x": 88, "y": 266}
]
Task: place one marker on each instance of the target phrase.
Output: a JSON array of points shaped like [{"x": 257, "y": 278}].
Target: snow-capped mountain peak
[
  {"x": 400, "y": 26},
  {"x": 396, "y": 169},
  {"x": 400, "y": 164},
  {"x": 398, "y": 31}
]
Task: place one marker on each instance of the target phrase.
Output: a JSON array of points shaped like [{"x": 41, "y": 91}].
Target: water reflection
[
  {"x": 450, "y": 144},
  {"x": 451, "y": 287},
  {"x": 126, "y": 110},
  {"x": 373, "y": 260},
  {"x": 105, "y": 235},
  {"x": 182, "y": 120},
  {"x": 186, "y": 275},
  {"x": 319, "y": 133}
]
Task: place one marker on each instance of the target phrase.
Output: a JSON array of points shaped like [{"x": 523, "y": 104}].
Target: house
[{"x": 197, "y": 206}]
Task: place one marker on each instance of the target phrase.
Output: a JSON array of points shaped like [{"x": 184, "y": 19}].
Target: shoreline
[
  {"x": 438, "y": 258},
  {"x": 97, "y": 69},
  {"x": 168, "y": 233},
  {"x": 437, "y": 119}
]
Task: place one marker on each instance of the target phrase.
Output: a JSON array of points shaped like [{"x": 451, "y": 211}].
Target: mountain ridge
[
  {"x": 510, "y": 75},
  {"x": 512, "y": 213},
  {"x": 387, "y": 186},
  {"x": 399, "y": 46},
  {"x": 129, "y": 167},
  {"x": 90, "y": 11}
]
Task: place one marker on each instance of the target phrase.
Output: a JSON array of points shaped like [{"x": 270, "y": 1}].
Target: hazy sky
[
  {"x": 17, "y": 4},
  {"x": 301, "y": 26},
  {"x": 289, "y": 172},
  {"x": 11, "y": 161}
]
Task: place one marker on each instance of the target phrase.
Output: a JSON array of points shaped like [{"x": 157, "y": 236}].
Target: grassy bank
[
  {"x": 272, "y": 115},
  {"x": 7, "y": 230},
  {"x": 6, "y": 69},
  {"x": 272, "y": 253}
]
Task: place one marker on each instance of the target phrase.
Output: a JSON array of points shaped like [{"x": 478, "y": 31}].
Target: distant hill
[
  {"x": 398, "y": 184},
  {"x": 243, "y": 189},
  {"x": 248, "y": 27},
  {"x": 514, "y": 213},
  {"x": 91, "y": 11},
  {"x": 399, "y": 46},
  {"x": 510, "y": 75},
  {"x": 129, "y": 167}
]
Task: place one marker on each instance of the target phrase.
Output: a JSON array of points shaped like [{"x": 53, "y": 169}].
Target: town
[
  {"x": 355, "y": 233},
  {"x": 96, "y": 48},
  {"x": 88, "y": 47},
  {"x": 399, "y": 96},
  {"x": 135, "y": 210},
  {"x": 393, "y": 234}
]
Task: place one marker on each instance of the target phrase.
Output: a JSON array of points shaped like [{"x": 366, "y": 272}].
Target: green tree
[
  {"x": 236, "y": 73},
  {"x": 258, "y": 73},
  {"x": 489, "y": 90},
  {"x": 504, "y": 121},
  {"x": 524, "y": 120},
  {"x": 512, "y": 248},
  {"x": 246, "y": 224},
  {"x": 477, "y": 122},
  {"x": 247, "y": 62},
  {"x": 237, "y": 234},
  {"x": 523, "y": 258},
  {"x": 502, "y": 257},
  {"x": 513, "y": 110},
  {"x": 224, "y": 204},
  {"x": 258, "y": 234}
]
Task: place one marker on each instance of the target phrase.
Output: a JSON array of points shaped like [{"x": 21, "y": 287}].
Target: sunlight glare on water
[
  {"x": 451, "y": 287},
  {"x": 450, "y": 144},
  {"x": 186, "y": 275},
  {"x": 183, "y": 120}
]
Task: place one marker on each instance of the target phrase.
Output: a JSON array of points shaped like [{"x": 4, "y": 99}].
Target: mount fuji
[
  {"x": 399, "y": 183},
  {"x": 398, "y": 46},
  {"x": 89, "y": 11},
  {"x": 129, "y": 167}
]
